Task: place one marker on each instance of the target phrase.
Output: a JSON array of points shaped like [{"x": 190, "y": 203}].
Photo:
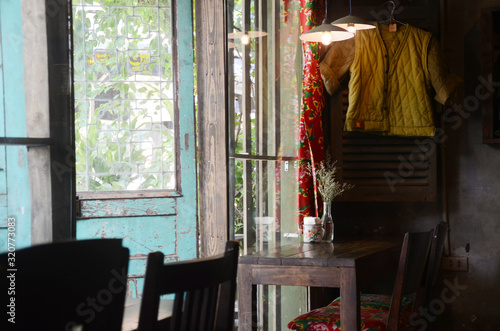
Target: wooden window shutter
[{"x": 381, "y": 168}]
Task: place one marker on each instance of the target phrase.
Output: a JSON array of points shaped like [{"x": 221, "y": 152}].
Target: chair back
[
  {"x": 412, "y": 263},
  {"x": 435, "y": 256},
  {"x": 63, "y": 285},
  {"x": 204, "y": 290},
  {"x": 427, "y": 290}
]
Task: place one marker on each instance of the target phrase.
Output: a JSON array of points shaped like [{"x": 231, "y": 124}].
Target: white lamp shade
[
  {"x": 353, "y": 21},
  {"x": 251, "y": 34},
  {"x": 317, "y": 34}
]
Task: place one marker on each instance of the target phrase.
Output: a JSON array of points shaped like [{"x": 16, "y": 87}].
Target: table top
[{"x": 345, "y": 252}]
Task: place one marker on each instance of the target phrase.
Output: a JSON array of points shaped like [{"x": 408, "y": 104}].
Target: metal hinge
[{"x": 78, "y": 207}]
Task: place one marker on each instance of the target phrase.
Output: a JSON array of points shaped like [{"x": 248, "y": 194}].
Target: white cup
[{"x": 313, "y": 231}]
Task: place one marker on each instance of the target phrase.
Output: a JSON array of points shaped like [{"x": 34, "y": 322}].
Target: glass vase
[{"x": 327, "y": 221}]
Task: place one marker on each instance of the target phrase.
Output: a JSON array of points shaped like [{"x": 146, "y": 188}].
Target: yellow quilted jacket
[{"x": 393, "y": 78}]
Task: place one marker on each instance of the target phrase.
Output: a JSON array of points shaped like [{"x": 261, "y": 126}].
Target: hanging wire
[{"x": 326, "y": 12}]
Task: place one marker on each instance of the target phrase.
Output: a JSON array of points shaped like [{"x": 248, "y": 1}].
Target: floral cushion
[{"x": 374, "y": 314}]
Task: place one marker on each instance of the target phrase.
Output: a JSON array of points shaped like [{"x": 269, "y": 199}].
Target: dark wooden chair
[
  {"x": 62, "y": 285},
  {"x": 204, "y": 292},
  {"x": 428, "y": 290},
  {"x": 382, "y": 312},
  {"x": 435, "y": 261}
]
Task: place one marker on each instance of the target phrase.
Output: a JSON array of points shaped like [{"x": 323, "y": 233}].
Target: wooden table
[{"x": 345, "y": 264}]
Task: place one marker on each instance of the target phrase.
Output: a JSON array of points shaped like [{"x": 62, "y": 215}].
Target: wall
[
  {"x": 473, "y": 181},
  {"x": 472, "y": 188}
]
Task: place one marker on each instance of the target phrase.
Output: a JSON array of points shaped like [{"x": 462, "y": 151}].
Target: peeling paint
[
  {"x": 127, "y": 207},
  {"x": 139, "y": 257},
  {"x": 151, "y": 212},
  {"x": 132, "y": 288}
]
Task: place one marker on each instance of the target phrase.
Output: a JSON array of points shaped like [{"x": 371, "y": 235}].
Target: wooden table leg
[
  {"x": 350, "y": 318},
  {"x": 245, "y": 298}
]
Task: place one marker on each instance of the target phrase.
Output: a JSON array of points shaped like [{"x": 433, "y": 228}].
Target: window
[
  {"x": 124, "y": 95},
  {"x": 264, "y": 98},
  {"x": 264, "y": 77}
]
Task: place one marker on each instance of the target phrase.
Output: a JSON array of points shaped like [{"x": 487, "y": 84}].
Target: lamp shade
[
  {"x": 326, "y": 32},
  {"x": 353, "y": 22},
  {"x": 251, "y": 34}
]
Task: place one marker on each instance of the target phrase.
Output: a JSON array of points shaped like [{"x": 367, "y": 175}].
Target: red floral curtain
[{"x": 311, "y": 146}]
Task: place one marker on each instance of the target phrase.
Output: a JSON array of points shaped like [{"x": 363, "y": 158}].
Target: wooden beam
[{"x": 61, "y": 113}]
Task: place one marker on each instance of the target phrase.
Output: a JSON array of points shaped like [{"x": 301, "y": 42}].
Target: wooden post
[{"x": 212, "y": 125}]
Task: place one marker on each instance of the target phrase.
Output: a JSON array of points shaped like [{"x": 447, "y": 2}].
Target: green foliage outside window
[{"x": 124, "y": 113}]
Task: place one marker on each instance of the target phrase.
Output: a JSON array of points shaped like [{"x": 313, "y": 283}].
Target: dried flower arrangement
[{"x": 328, "y": 187}]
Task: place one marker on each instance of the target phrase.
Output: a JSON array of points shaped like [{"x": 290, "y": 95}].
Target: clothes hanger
[{"x": 392, "y": 20}]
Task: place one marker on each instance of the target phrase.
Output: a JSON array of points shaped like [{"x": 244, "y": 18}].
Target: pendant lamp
[
  {"x": 245, "y": 36},
  {"x": 353, "y": 23},
  {"x": 326, "y": 33}
]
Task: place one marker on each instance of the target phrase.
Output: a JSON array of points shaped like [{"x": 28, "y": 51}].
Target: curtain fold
[{"x": 311, "y": 145}]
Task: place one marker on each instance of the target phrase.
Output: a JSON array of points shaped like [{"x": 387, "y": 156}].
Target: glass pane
[
  {"x": 124, "y": 114},
  {"x": 264, "y": 91},
  {"x": 264, "y": 78}
]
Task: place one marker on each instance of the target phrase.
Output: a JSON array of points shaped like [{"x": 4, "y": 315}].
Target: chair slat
[{"x": 204, "y": 291}]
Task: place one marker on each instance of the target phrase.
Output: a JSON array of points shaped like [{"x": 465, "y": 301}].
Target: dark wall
[
  {"x": 466, "y": 300},
  {"x": 473, "y": 181}
]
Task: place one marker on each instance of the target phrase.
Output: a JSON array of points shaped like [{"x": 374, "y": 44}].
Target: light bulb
[
  {"x": 245, "y": 39},
  {"x": 351, "y": 28},
  {"x": 326, "y": 38}
]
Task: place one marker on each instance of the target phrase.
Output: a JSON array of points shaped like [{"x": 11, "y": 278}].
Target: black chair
[
  {"x": 428, "y": 291},
  {"x": 204, "y": 292},
  {"x": 382, "y": 312},
  {"x": 435, "y": 261},
  {"x": 59, "y": 286}
]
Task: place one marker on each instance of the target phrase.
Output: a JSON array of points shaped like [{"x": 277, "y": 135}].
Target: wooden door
[{"x": 135, "y": 129}]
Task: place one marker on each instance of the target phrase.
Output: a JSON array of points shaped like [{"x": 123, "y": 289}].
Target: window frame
[{"x": 149, "y": 193}]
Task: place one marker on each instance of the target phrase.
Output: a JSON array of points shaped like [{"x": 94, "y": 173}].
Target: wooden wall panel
[{"x": 381, "y": 168}]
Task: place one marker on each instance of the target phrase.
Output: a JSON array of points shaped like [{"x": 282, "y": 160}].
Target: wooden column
[
  {"x": 212, "y": 125},
  {"x": 62, "y": 122}
]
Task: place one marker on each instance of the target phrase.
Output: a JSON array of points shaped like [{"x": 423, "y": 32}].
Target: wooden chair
[
  {"x": 435, "y": 261},
  {"x": 381, "y": 312},
  {"x": 427, "y": 291},
  {"x": 59, "y": 286},
  {"x": 204, "y": 291}
]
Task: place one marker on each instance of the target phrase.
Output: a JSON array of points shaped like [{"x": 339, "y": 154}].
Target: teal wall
[{"x": 14, "y": 179}]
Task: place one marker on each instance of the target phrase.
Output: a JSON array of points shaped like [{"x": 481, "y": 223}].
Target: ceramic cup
[{"x": 313, "y": 231}]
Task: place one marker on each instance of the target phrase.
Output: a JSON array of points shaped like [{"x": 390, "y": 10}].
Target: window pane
[
  {"x": 124, "y": 113},
  {"x": 264, "y": 90},
  {"x": 264, "y": 77}
]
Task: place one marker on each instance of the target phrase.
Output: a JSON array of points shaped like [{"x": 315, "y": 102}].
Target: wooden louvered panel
[{"x": 381, "y": 168}]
